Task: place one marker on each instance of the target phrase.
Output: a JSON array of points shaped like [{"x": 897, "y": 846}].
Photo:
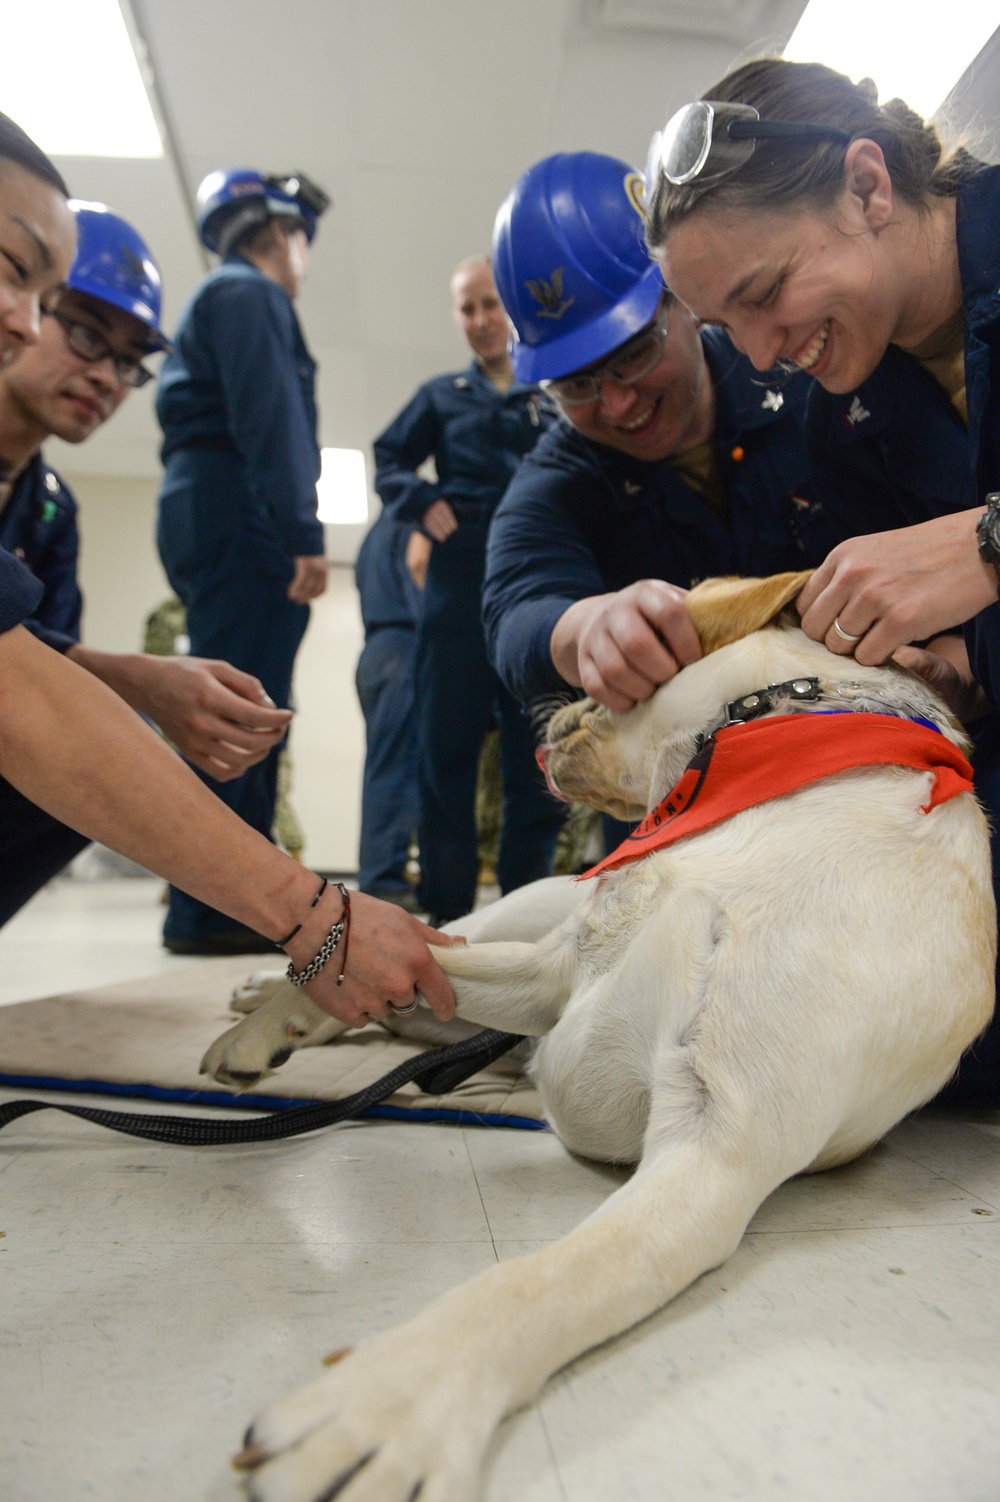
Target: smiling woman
[
  {"x": 834, "y": 247},
  {"x": 782, "y": 238},
  {"x": 836, "y": 235}
]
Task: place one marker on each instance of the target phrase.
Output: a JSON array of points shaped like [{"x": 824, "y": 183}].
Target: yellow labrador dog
[{"x": 762, "y": 998}]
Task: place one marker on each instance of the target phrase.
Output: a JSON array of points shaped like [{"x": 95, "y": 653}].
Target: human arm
[
  {"x": 410, "y": 439},
  {"x": 893, "y": 588},
  {"x": 621, "y": 646},
  {"x": 218, "y": 717},
  {"x": 69, "y": 744},
  {"x": 555, "y": 547}
]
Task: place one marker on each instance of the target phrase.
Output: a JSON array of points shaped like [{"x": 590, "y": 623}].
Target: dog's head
[{"x": 622, "y": 763}]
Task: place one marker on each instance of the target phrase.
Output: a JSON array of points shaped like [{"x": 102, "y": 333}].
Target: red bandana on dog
[{"x": 742, "y": 765}]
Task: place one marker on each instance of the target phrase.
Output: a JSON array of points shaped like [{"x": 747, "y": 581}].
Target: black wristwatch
[{"x": 988, "y": 531}]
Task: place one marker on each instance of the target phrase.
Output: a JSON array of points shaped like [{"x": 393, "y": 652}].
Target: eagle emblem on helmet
[{"x": 549, "y": 295}]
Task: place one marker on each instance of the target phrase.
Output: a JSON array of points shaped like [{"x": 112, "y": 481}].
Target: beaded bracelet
[{"x": 340, "y": 930}]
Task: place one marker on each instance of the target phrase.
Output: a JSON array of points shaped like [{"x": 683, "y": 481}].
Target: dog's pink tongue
[{"x": 542, "y": 754}]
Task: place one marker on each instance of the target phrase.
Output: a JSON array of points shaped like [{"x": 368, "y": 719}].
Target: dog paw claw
[
  {"x": 336, "y": 1356},
  {"x": 250, "y": 1457}
]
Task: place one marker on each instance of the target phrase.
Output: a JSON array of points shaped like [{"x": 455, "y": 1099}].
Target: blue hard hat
[
  {"x": 114, "y": 264},
  {"x": 571, "y": 264},
  {"x": 232, "y": 200}
]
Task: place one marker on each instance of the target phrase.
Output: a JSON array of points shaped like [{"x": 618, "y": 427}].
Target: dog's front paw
[
  {"x": 265, "y": 1039},
  {"x": 382, "y": 1426}
]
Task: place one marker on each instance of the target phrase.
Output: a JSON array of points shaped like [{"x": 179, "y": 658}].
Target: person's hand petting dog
[
  {"x": 620, "y": 647},
  {"x": 876, "y": 593}
]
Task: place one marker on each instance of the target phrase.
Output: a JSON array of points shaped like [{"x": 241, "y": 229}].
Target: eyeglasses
[
  {"x": 710, "y": 140},
  {"x": 627, "y": 365},
  {"x": 91, "y": 346}
]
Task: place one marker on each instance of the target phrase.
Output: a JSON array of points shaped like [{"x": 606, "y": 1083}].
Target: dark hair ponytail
[{"x": 782, "y": 174}]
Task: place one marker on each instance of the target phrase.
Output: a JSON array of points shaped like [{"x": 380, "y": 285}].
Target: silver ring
[
  {"x": 406, "y": 1011},
  {"x": 846, "y": 635}
]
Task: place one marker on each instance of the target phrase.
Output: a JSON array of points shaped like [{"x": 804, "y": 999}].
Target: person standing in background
[
  {"x": 390, "y": 608},
  {"x": 477, "y": 426},
  {"x": 238, "y": 532}
]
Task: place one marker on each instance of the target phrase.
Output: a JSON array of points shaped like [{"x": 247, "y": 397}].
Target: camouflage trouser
[{"x": 163, "y": 629}]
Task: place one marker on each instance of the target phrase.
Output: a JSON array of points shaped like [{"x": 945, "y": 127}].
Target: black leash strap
[{"x": 436, "y": 1072}]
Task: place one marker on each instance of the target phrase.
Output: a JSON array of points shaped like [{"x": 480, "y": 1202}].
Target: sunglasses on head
[{"x": 709, "y": 140}]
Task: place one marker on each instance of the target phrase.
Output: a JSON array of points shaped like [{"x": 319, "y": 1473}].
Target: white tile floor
[{"x": 153, "y": 1296}]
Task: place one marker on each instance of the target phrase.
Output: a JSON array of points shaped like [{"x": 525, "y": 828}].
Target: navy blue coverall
[
  {"x": 238, "y": 505},
  {"x": 38, "y": 526},
  {"x": 390, "y": 607},
  {"x": 20, "y": 593},
  {"x": 581, "y": 519},
  {"x": 897, "y": 450},
  {"x": 477, "y": 436}
]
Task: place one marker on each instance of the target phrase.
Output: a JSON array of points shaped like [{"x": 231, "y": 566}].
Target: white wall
[{"x": 123, "y": 581}]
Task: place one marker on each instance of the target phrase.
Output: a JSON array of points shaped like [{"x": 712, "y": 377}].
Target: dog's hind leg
[{"x": 412, "y": 1411}]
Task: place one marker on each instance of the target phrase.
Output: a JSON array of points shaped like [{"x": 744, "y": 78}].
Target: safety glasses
[
  {"x": 91, "y": 346},
  {"x": 302, "y": 188},
  {"x": 709, "y": 140},
  {"x": 629, "y": 363}
]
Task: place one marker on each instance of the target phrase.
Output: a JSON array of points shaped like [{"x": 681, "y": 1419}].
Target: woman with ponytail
[{"x": 832, "y": 233}]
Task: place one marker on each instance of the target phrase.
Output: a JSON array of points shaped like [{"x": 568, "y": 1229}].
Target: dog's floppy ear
[{"x": 725, "y": 610}]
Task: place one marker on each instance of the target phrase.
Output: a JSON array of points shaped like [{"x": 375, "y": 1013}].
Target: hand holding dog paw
[{"x": 388, "y": 960}]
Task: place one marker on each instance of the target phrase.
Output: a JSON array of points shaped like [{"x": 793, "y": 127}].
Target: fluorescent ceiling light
[
  {"x": 343, "y": 487},
  {"x": 914, "y": 52},
  {"x": 72, "y": 82}
]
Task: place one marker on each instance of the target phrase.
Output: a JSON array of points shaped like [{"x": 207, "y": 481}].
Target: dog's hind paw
[{"x": 372, "y": 1430}]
